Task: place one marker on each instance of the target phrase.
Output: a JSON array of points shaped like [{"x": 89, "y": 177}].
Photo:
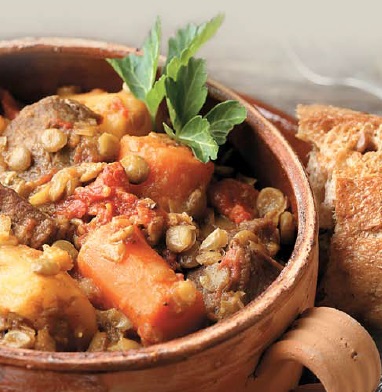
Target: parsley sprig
[{"x": 183, "y": 85}]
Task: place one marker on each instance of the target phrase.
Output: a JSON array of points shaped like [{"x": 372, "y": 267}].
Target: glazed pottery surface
[{"x": 223, "y": 357}]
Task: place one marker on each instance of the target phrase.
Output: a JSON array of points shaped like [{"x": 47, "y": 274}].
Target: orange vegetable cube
[
  {"x": 132, "y": 277},
  {"x": 177, "y": 180}
]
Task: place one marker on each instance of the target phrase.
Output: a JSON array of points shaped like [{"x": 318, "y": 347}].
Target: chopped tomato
[
  {"x": 109, "y": 196},
  {"x": 234, "y": 199},
  {"x": 10, "y": 107},
  {"x": 117, "y": 105}
]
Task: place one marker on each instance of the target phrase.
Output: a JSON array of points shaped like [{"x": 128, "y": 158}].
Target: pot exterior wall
[{"x": 228, "y": 366}]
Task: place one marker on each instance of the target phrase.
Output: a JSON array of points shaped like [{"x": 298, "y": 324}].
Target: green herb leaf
[
  {"x": 183, "y": 84},
  {"x": 223, "y": 117},
  {"x": 187, "y": 94},
  {"x": 187, "y": 41},
  {"x": 139, "y": 71},
  {"x": 170, "y": 132},
  {"x": 124, "y": 69},
  {"x": 171, "y": 70},
  {"x": 155, "y": 96},
  {"x": 196, "y": 135}
]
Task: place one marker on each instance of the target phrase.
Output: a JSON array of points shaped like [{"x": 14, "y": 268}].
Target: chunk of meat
[
  {"x": 265, "y": 229},
  {"x": 31, "y": 226},
  {"x": 243, "y": 274},
  {"x": 251, "y": 269},
  {"x": 77, "y": 123}
]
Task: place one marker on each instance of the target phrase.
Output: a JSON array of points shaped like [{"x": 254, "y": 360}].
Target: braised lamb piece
[
  {"x": 30, "y": 226},
  {"x": 50, "y": 134},
  {"x": 246, "y": 269}
]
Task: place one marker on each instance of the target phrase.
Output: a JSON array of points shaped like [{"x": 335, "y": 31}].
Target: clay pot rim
[{"x": 254, "y": 312}]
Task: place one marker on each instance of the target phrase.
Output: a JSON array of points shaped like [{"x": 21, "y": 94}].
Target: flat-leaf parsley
[{"x": 183, "y": 85}]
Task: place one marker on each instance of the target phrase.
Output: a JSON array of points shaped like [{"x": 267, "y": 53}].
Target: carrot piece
[
  {"x": 176, "y": 179},
  {"x": 234, "y": 199},
  {"x": 135, "y": 279}
]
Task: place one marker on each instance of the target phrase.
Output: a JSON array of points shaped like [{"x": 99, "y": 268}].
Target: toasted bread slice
[
  {"x": 358, "y": 206},
  {"x": 345, "y": 170},
  {"x": 360, "y": 165},
  {"x": 341, "y": 139},
  {"x": 352, "y": 281},
  {"x": 316, "y": 121}
]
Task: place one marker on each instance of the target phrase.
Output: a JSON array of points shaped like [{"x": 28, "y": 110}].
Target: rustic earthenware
[{"x": 224, "y": 357}]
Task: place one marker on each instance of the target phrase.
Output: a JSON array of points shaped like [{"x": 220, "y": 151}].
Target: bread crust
[
  {"x": 352, "y": 281},
  {"x": 358, "y": 206},
  {"x": 345, "y": 169},
  {"x": 317, "y": 120}
]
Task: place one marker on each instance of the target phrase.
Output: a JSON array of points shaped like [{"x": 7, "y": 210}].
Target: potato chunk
[
  {"x": 121, "y": 112},
  {"x": 51, "y": 301}
]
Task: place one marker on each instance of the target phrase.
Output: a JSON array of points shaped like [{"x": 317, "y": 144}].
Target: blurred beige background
[{"x": 264, "y": 48}]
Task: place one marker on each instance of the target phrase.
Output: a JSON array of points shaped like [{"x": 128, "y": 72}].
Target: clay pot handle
[{"x": 335, "y": 347}]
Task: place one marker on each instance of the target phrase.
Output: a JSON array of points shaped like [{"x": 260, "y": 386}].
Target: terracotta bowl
[{"x": 226, "y": 356}]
